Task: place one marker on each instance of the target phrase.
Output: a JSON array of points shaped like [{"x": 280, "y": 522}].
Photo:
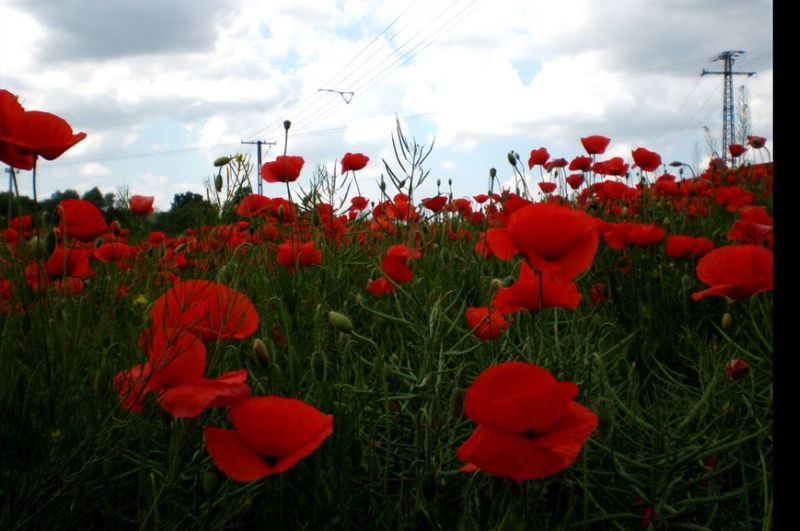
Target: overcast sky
[{"x": 164, "y": 88}]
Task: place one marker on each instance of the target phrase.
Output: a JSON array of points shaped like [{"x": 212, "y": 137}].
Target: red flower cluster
[{"x": 529, "y": 425}]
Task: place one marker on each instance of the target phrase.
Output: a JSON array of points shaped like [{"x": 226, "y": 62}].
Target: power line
[
  {"x": 341, "y": 72},
  {"x": 309, "y": 116},
  {"x": 439, "y": 32}
]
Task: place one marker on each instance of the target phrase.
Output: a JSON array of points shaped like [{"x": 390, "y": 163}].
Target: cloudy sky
[{"x": 164, "y": 88}]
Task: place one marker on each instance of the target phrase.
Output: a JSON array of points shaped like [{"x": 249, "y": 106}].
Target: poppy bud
[
  {"x": 319, "y": 365},
  {"x": 261, "y": 354},
  {"x": 512, "y": 159},
  {"x": 382, "y": 185},
  {"x": 438, "y": 183},
  {"x": 340, "y": 322},
  {"x": 210, "y": 481},
  {"x": 727, "y": 321},
  {"x": 736, "y": 368},
  {"x": 449, "y": 182},
  {"x": 218, "y": 183},
  {"x": 221, "y": 161},
  {"x": 492, "y": 172},
  {"x": 401, "y": 183},
  {"x": 496, "y": 284}
]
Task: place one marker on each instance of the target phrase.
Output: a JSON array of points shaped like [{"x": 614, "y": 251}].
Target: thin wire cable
[{"x": 296, "y": 108}]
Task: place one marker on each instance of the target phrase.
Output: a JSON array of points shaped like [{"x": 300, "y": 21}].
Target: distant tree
[
  {"x": 188, "y": 210},
  {"x": 49, "y": 205},
  {"x": 95, "y": 197}
]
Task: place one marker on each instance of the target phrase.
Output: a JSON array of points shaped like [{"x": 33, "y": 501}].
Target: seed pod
[
  {"x": 727, "y": 321},
  {"x": 456, "y": 403},
  {"x": 287, "y": 124},
  {"x": 492, "y": 172},
  {"x": 512, "y": 159},
  {"x": 218, "y": 183},
  {"x": 340, "y": 322}
]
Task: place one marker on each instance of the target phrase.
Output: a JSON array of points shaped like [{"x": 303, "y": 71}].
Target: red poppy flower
[
  {"x": 208, "y": 309},
  {"x": 614, "y": 166},
  {"x": 26, "y": 135},
  {"x": 735, "y": 271},
  {"x": 555, "y": 239},
  {"x": 359, "y": 203},
  {"x": 756, "y": 142},
  {"x": 270, "y": 435},
  {"x": 141, "y": 205},
  {"x": 284, "y": 169},
  {"x": 736, "y": 368},
  {"x": 736, "y": 150},
  {"x": 733, "y": 197},
  {"x": 435, "y": 204},
  {"x": 538, "y": 157},
  {"x": 753, "y": 226},
  {"x": 547, "y": 187},
  {"x": 354, "y": 161},
  {"x": 112, "y": 252},
  {"x": 480, "y": 198},
  {"x": 394, "y": 263},
  {"x": 580, "y": 163},
  {"x": 290, "y": 253},
  {"x": 575, "y": 180},
  {"x": 174, "y": 370},
  {"x": 666, "y": 185},
  {"x": 524, "y": 294},
  {"x": 21, "y": 223},
  {"x": 555, "y": 163},
  {"x": 595, "y": 144},
  {"x": 618, "y": 235},
  {"x": 486, "y": 323},
  {"x": 680, "y": 247},
  {"x": 80, "y": 220},
  {"x": 380, "y": 286},
  {"x": 647, "y": 160},
  {"x": 530, "y": 426}
]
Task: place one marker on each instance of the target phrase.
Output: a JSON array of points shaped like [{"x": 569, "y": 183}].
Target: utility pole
[
  {"x": 728, "y": 118},
  {"x": 259, "y": 143}
]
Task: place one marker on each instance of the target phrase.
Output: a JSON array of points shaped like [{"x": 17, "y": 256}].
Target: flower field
[{"x": 588, "y": 348}]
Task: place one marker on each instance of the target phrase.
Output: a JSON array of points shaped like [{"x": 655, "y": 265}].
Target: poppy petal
[{"x": 232, "y": 457}]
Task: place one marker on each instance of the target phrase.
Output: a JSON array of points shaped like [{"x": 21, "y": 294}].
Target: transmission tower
[{"x": 728, "y": 116}]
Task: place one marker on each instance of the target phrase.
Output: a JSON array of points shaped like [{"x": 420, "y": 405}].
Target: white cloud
[
  {"x": 94, "y": 169},
  {"x": 520, "y": 73}
]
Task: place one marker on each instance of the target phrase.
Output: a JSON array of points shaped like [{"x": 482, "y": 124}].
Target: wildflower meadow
[{"x": 589, "y": 347}]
